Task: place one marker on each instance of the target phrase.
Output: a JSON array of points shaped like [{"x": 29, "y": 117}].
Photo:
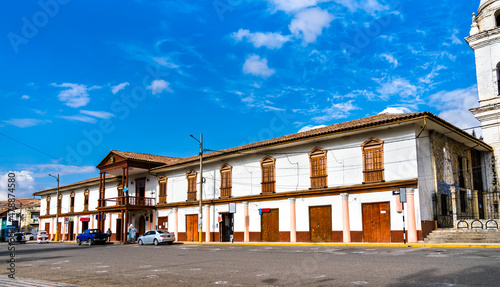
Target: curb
[{"x": 414, "y": 245}]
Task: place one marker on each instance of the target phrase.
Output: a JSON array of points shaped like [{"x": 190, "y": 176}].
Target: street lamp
[
  {"x": 201, "y": 186},
  {"x": 57, "y": 208}
]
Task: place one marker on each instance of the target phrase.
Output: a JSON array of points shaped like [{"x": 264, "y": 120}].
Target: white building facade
[{"x": 333, "y": 184}]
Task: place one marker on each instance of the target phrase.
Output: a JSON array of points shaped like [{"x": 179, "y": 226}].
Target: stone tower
[{"x": 484, "y": 39}]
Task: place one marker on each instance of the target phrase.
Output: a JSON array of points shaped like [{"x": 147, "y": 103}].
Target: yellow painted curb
[{"x": 462, "y": 245}]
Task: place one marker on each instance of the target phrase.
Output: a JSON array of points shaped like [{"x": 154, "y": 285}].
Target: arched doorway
[{"x": 142, "y": 226}]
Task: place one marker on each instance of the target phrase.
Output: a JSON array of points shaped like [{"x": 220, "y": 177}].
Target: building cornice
[
  {"x": 351, "y": 189},
  {"x": 484, "y": 39}
]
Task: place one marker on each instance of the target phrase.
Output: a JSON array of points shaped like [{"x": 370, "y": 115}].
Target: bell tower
[{"x": 484, "y": 39}]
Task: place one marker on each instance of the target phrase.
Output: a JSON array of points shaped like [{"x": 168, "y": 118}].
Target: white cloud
[
  {"x": 259, "y": 39},
  {"x": 26, "y": 123},
  {"x": 25, "y": 97},
  {"x": 390, "y": 59},
  {"x": 397, "y": 86},
  {"x": 166, "y": 62},
  {"x": 308, "y": 24},
  {"x": 454, "y": 39},
  {"x": 256, "y": 66},
  {"x": 310, "y": 127},
  {"x": 75, "y": 96},
  {"x": 42, "y": 170},
  {"x": 336, "y": 111},
  {"x": 454, "y": 106},
  {"x": 292, "y": 5},
  {"x": 25, "y": 184},
  {"x": 159, "y": 86},
  {"x": 97, "y": 114},
  {"x": 119, "y": 87},
  {"x": 395, "y": 110},
  {"x": 80, "y": 118},
  {"x": 368, "y": 6}
]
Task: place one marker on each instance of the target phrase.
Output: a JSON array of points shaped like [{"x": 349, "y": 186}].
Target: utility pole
[
  {"x": 200, "y": 220},
  {"x": 57, "y": 208},
  {"x": 201, "y": 189}
]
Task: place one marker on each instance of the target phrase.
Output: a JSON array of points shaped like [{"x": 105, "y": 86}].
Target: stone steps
[{"x": 463, "y": 236}]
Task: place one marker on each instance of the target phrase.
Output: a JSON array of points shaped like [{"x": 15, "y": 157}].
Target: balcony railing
[{"x": 130, "y": 200}]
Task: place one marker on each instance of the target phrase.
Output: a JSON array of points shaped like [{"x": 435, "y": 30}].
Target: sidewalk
[{"x": 340, "y": 244}]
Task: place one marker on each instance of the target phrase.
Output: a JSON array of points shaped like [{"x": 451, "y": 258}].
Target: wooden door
[
  {"x": 192, "y": 227},
  {"x": 377, "y": 222},
  {"x": 85, "y": 225},
  {"x": 142, "y": 226},
  {"x": 320, "y": 223},
  {"x": 118, "y": 230},
  {"x": 70, "y": 230},
  {"x": 270, "y": 226},
  {"x": 47, "y": 228},
  {"x": 163, "y": 223}
]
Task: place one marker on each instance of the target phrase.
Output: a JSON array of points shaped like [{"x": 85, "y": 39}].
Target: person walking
[{"x": 109, "y": 232}]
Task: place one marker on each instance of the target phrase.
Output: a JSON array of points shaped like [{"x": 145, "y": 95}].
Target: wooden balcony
[{"x": 130, "y": 200}]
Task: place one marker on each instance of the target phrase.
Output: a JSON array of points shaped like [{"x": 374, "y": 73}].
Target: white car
[
  {"x": 42, "y": 237},
  {"x": 156, "y": 237}
]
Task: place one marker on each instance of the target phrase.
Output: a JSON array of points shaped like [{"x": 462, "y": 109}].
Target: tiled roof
[
  {"x": 372, "y": 121},
  {"x": 85, "y": 181},
  {"x": 145, "y": 157}
]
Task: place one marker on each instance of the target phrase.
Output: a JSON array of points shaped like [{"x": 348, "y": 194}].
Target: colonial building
[{"x": 331, "y": 184}]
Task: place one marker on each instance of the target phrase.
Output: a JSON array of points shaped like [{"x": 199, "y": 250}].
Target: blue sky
[{"x": 83, "y": 77}]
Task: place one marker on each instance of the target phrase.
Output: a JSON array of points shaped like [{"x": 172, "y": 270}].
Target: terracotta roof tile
[
  {"x": 89, "y": 180},
  {"x": 145, "y": 157},
  {"x": 371, "y": 121}
]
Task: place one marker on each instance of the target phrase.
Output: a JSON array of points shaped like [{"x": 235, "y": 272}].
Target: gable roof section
[
  {"x": 363, "y": 123},
  {"x": 75, "y": 184},
  {"x": 143, "y": 157}
]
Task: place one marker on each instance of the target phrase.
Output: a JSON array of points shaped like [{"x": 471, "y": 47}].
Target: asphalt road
[{"x": 207, "y": 265}]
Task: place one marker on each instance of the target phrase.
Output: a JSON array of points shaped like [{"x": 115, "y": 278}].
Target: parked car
[
  {"x": 156, "y": 237},
  {"x": 17, "y": 237},
  {"x": 92, "y": 236},
  {"x": 42, "y": 237},
  {"x": 28, "y": 235}
]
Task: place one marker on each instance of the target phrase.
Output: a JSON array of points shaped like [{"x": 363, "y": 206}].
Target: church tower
[{"x": 484, "y": 39}]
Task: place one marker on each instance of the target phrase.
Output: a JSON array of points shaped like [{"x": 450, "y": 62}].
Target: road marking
[
  {"x": 103, "y": 266},
  {"x": 260, "y": 275},
  {"x": 145, "y": 266},
  {"x": 320, "y": 276},
  {"x": 195, "y": 269},
  {"x": 359, "y": 282},
  {"x": 18, "y": 282},
  {"x": 102, "y": 271},
  {"x": 220, "y": 282}
]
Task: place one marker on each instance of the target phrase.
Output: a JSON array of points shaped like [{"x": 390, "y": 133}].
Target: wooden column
[
  {"x": 125, "y": 219},
  {"x": 293, "y": 221},
  {"x": 412, "y": 226},
  {"x": 345, "y": 218},
  {"x": 124, "y": 228}
]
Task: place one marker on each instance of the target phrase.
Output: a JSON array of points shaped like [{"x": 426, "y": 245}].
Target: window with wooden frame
[
  {"x": 86, "y": 200},
  {"x": 226, "y": 180},
  {"x": 373, "y": 160},
  {"x": 72, "y": 202},
  {"x": 268, "y": 183},
  {"x": 47, "y": 201},
  {"x": 319, "y": 176},
  {"x": 191, "y": 178},
  {"x": 162, "y": 192},
  {"x": 59, "y": 203}
]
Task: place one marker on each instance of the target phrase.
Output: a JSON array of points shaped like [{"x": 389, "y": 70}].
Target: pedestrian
[
  {"x": 109, "y": 232},
  {"x": 131, "y": 233}
]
